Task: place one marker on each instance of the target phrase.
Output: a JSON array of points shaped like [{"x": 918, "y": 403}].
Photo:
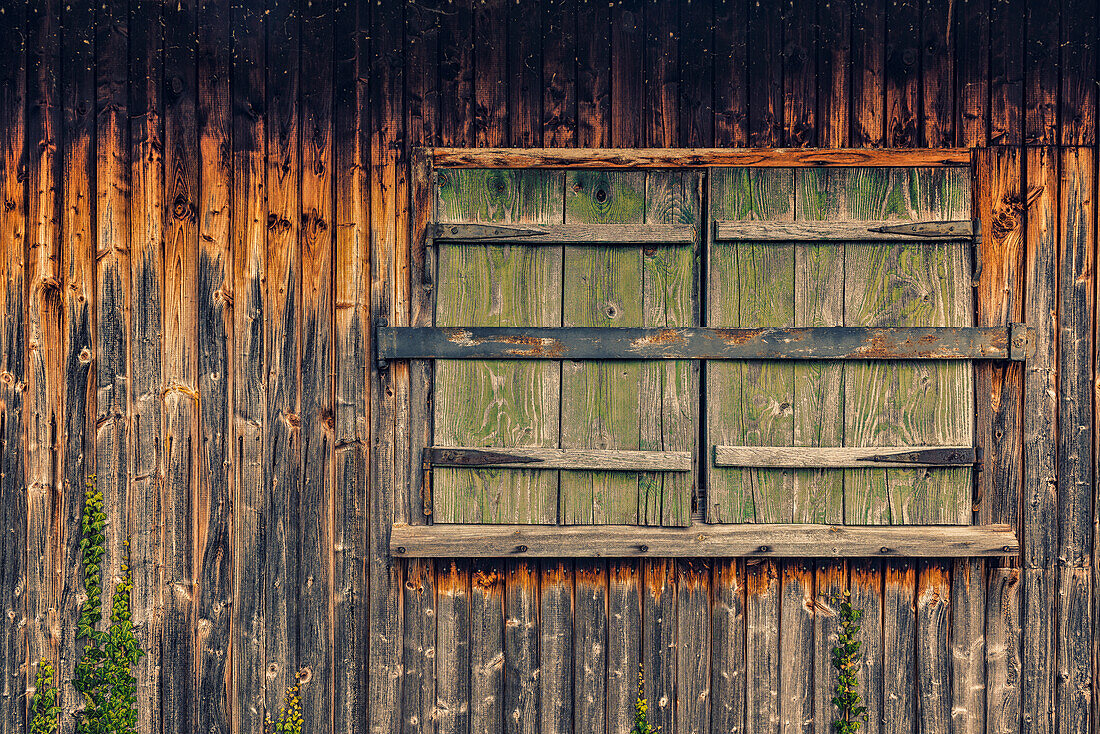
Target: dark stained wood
[
  {"x": 248, "y": 228},
  {"x": 593, "y": 74},
  {"x": 624, "y": 641},
  {"x": 179, "y": 394},
  {"x": 452, "y": 646},
  {"x": 939, "y": 21},
  {"x": 934, "y": 654},
  {"x": 1039, "y": 521},
  {"x": 693, "y": 646},
  {"x": 215, "y": 318},
  {"x": 661, "y": 74},
  {"x": 899, "y": 685},
  {"x": 555, "y": 646},
  {"x": 490, "y": 69},
  {"x": 1041, "y": 59},
  {"x": 902, "y": 67},
  {"x": 486, "y": 648},
  {"x": 968, "y": 644},
  {"x": 315, "y": 530},
  {"x": 418, "y": 675},
  {"x": 764, "y": 79},
  {"x": 13, "y": 494},
  {"x": 834, "y": 73},
  {"x": 796, "y": 645},
  {"x": 658, "y": 637},
  {"x": 730, "y": 73},
  {"x": 627, "y": 89},
  {"x": 971, "y": 100},
  {"x": 456, "y": 73},
  {"x": 591, "y": 647},
  {"x": 868, "y": 125},
  {"x": 830, "y": 583},
  {"x": 281, "y": 434},
  {"x": 1006, "y": 72},
  {"x": 559, "y": 78},
  {"x": 522, "y": 703},
  {"x": 800, "y": 55},
  {"x": 696, "y": 74},
  {"x": 1077, "y": 99},
  {"x": 524, "y": 53},
  {"x": 866, "y": 585},
  {"x": 147, "y": 207},
  {"x": 1002, "y": 641}
]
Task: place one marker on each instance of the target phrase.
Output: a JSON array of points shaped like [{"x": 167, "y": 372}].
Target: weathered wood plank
[
  {"x": 693, "y": 646},
  {"x": 624, "y": 643},
  {"x": 78, "y": 258},
  {"x": 934, "y": 655},
  {"x": 627, "y": 88},
  {"x": 627, "y": 157},
  {"x": 315, "y": 530},
  {"x": 1002, "y": 646},
  {"x": 351, "y": 448},
  {"x": 591, "y": 459},
  {"x": 1077, "y": 95},
  {"x": 868, "y": 59},
  {"x": 486, "y": 648},
  {"x": 559, "y": 78},
  {"x": 452, "y": 646},
  {"x": 730, "y": 73},
  {"x": 523, "y": 25},
  {"x": 696, "y": 72},
  {"x": 877, "y": 231},
  {"x": 418, "y": 673},
  {"x": 1041, "y": 82},
  {"x": 756, "y": 343},
  {"x": 903, "y": 72},
  {"x": 490, "y": 42},
  {"x": 1039, "y": 519},
  {"x": 250, "y": 360},
  {"x": 726, "y": 540},
  {"x": 834, "y": 75},
  {"x": 802, "y": 457},
  {"x": 214, "y": 507},
  {"x": 592, "y": 661},
  {"x": 1076, "y": 302},
  {"x": 899, "y": 660},
  {"x": 830, "y": 583},
  {"x": 800, "y": 56},
  {"x": 281, "y": 434},
  {"x": 764, "y": 80},
  {"x": 593, "y": 74},
  {"x": 660, "y": 52},
  {"x": 44, "y": 337},
  {"x": 972, "y": 84},
  {"x": 750, "y": 286},
  {"x": 456, "y": 74},
  {"x": 147, "y": 208},
  {"x": 939, "y": 51},
  {"x": 555, "y": 646},
  {"x": 521, "y": 397},
  {"x": 762, "y": 673},
  {"x": 569, "y": 234},
  {"x": 727, "y": 634},
  {"x": 658, "y": 640},
  {"x": 1006, "y": 72},
  {"x": 13, "y": 491},
  {"x": 796, "y": 646},
  {"x": 180, "y": 393},
  {"x": 867, "y": 596},
  {"x": 522, "y": 703},
  {"x": 967, "y": 636}
]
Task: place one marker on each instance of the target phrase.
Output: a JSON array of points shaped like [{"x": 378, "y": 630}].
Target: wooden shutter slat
[
  {"x": 567, "y": 234},
  {"x": 636, "y": 343},
  {"x": 844, "y": 231},
  {"x": 816, "y": 457},
  {"x": 575, "y": 459}
]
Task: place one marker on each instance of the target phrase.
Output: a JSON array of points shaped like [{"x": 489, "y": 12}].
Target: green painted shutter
[
  {"x": 629, "y": 405},
  {"x": 896, "y": 403}
]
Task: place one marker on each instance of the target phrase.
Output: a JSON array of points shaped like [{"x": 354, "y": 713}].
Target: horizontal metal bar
[
  {"x": 824, "y": 457},
  {"x": 879, "y": 231},
  {"x": 696, "y": 157},
  {"x": 565, "y": 234},
  {"x": 598, "y": 343},
  {"x": 549, "y": 458},
  {"x": 706, "y": 541}
]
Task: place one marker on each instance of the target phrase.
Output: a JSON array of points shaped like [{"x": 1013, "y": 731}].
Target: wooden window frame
[{"x": 414, "y": 540}]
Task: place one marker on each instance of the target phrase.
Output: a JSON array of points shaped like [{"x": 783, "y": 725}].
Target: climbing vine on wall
[{"x": 846, "y": 655}]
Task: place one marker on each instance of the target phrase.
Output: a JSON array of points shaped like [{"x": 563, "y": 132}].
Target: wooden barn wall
[{"x": 204, "y": 202}]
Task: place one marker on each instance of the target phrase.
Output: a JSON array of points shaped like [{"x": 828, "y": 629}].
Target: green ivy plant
[
  {"x": 103, "y": 674},
  {"x": 44, "y": 708},
  {"x": 846, "y": 657},
  {"x": 290, "y": 715},
  {"x": 641, "y": 708}
]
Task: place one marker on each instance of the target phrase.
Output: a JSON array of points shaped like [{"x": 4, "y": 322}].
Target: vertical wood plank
[
  {"x": 762, "y": 673},
  {"x": 521, "y": 648},
  {"x": 248, "y": 231},
  {"x": 1006, "y": 72},
  {"x": 800, "y": 55},
  {"x": 727, "y": 634},
  {"x": 627, "y": 88},
  {"x": 658, "y": 638},
  {"x": 933, "y": 659},
  {"x": 316, "y": 496},
  {"x": 661, "y": 74},
  {"x": 44, "y": 335},
  {"x": 13, "y": 493},
  {"x": 867, "y": 596},
  {"x": 693, "y": 647},
  {"x": 972, "y": 85},
  {"x": 487, "y": 650},
  {"x": 902, "y": 68},
  {"x": 1077, "y": 97},
  {"x": 146, "y": 276},
  {"x": 593, "y": 74},
  {"x": 112, "y": 279},
  {"x": 418, "y": 674},
  {"x": 868, "y": 127},
  {"x": 452, "y": 646},
  {"x": 282, "y": 304},
  {"x": 899, "y": 687},
  {"x": 730, "y": 73},
  {"x": 834, "y": 75},
  {"x": 750, "y": 402},
  {"x": 1002, "y": 634},
  {"x": 559, "y": 72},
  {"x": 764, "y": 78},
  {"x": 351, "y": 326},
  {"x": 968, "y": 644},
  {"x": 624, "y": 642},
  {"x": 696, "y": 74},
  {"x": 491, "y": 69},
  {"x": 214, "y": 504},
  {"x": 555, "y": 647},
  {"x": 830, "y": 583},
  {"x": 939, "y": 52},
  {"x": 1076, "y": 293},
  {"x": 592, "y": 661},
  {"x": 1041, "y": 60},
  {"x": 456, "y": 74},
  {"x": 796, "y": 645},
  {"x": 180, "y": 395},
  {"x": 525, "y": 83},
  {"x": 1039, "y": 522},
  {"x": 78, "y": 261}
]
